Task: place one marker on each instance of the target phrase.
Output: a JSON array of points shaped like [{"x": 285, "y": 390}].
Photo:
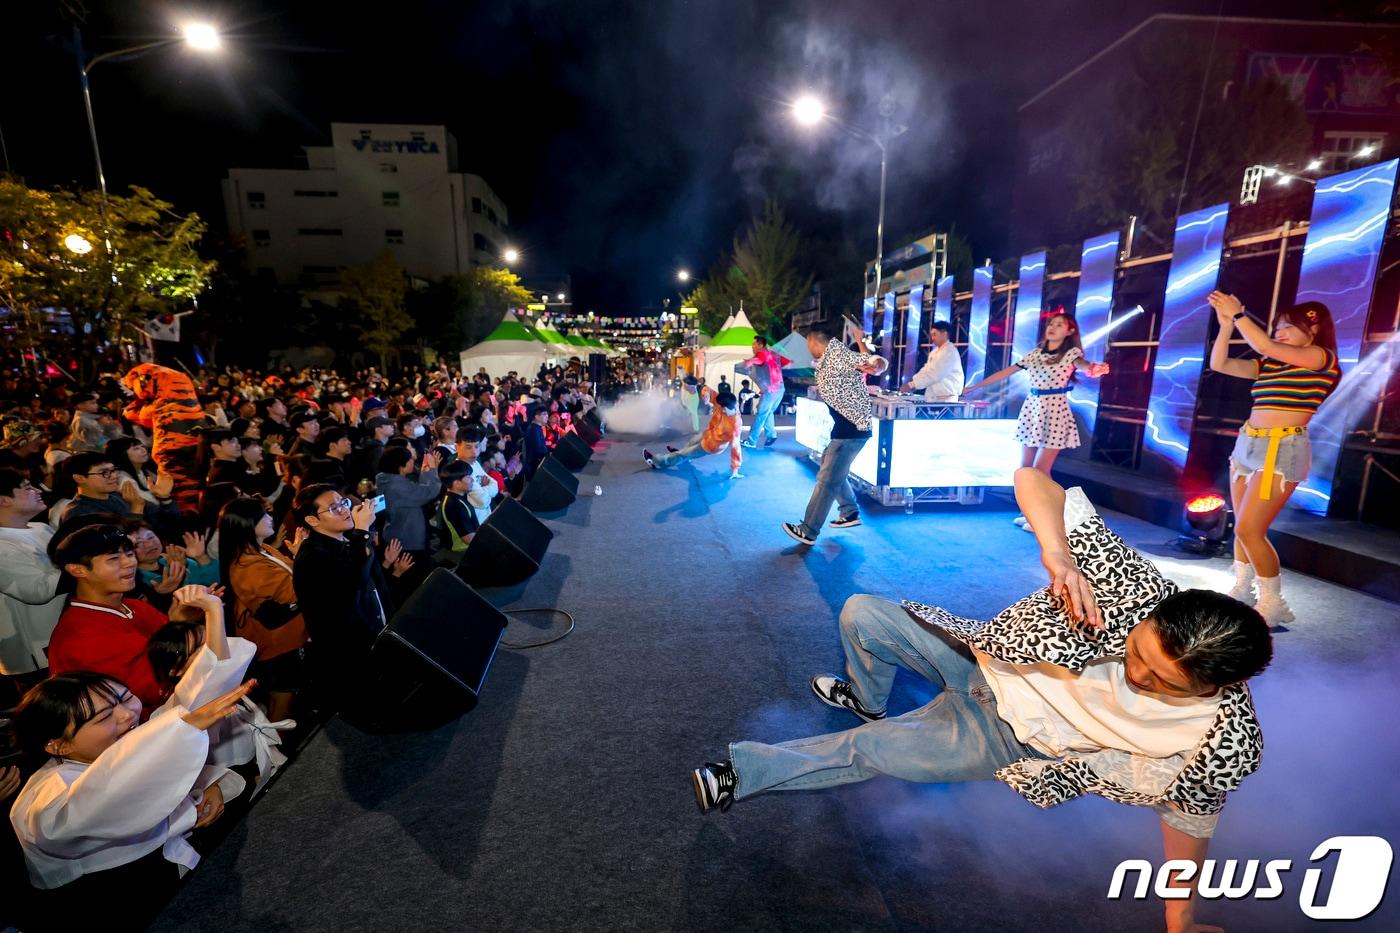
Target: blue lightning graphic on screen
[
  {"x": 1176, "y": 374},
  {"x": 943, "y": 299},
  {"x": 867, "y": 316},
  {"x": 913, "y": 320},
  {"x": 887, "y": 337},
  {"x": 1026, "y": 329},
  {"x": 977, "y": 324},
  {"x": 1339, "y": 269},
  {"x": 1091, "y": 313}
]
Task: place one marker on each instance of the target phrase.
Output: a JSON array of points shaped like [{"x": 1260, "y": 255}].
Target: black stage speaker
[
  {"x": 588, "y": 431},
  {"x": 572, "y": 451},
  {"x": 507, "y": 549},
  {"x": 436, "y": 650},
  {"x": 552, "y": 489}
]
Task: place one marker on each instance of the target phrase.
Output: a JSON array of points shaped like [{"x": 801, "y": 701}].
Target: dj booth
[{"x": 921, "y": 451}]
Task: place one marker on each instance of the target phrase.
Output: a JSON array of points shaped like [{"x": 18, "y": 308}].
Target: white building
[{"x": 377, "y": 186}]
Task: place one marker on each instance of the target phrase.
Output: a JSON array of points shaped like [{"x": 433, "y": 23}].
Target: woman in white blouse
[{"x": 107, "y": 818}]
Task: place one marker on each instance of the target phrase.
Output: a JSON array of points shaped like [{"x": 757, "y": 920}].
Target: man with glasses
[
  {"x": 29, "y": 603},
  {"x": 98, "y": 482},
  {"x": 342, "y": 594}
]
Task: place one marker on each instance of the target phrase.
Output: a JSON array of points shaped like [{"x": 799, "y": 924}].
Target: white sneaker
[{"x": 1019, "y": 520}]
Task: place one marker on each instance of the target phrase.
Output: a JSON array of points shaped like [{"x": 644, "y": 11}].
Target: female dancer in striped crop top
[{"x": 1297, "y": 370}]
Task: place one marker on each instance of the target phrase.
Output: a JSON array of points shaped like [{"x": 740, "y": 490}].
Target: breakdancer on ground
[
  {"x": 1110, "y": 682},
  {"x": 724, "y": 428}
]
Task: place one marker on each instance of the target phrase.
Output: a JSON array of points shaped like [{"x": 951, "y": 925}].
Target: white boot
[
  {"x": 1243, "y": 590},
  {"x": 1271, "y": 605}
]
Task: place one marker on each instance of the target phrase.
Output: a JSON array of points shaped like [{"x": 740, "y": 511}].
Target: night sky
[{"x": 627, "y": 139}]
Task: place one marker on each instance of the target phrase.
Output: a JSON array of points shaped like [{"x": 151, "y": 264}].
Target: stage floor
[{"x": 564, "y": 801}]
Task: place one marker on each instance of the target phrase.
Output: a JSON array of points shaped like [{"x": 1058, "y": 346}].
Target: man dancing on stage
[
  {"x": 724, "y": 428},
  {"x": 767, "y": 369},
  {"x": 1109, "y": 682},
  {"x": 840, "y": 376}
]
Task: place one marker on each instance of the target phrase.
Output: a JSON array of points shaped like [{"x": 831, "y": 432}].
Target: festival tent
[
  {"x": 794, "y": 347},
  {"x": 511, "y": 346},
  {"x": 558, "y": 344},
  {"x": 730, "y": 347}
]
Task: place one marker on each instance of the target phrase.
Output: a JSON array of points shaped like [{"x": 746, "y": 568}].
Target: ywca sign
[
  {"x": 395, "y": 146},
  {"x": 1360, "y": 873}
]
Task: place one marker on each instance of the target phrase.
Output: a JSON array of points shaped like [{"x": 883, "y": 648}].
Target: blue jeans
[
  {"x": 956, "y": 737},
  {"x": 763, "y": 418},
  {"x": 833, "y": 484},
  {"x": 691, "y": 451}
]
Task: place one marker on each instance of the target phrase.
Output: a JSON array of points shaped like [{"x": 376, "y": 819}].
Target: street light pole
[{"x": 880, "y": 224}]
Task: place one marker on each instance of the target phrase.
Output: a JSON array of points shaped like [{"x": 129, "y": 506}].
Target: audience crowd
[{"x": 165, "y": 630}]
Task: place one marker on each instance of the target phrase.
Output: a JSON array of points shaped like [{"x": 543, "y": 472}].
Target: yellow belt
[{"x": 1275, "y": 435}]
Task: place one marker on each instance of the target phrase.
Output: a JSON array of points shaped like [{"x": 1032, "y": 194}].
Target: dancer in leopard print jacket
[{"x": 1110, "y": 681}]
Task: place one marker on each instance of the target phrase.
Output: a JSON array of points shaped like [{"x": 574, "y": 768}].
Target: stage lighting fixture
[{"x": 1206, "y": 524}]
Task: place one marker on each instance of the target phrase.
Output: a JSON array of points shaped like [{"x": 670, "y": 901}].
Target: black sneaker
[
  {"x": 833, "y": 691},
  {"x": 849, "y": 521},
  {"x": 795, "y": 533},
  {"x": 749, "y": 444},
  {"x": 714, "y": 786},
  {"x": 673, "y": 450},
  {"x": 771, "y": 441},
  {"x": 647, "y": 456}
]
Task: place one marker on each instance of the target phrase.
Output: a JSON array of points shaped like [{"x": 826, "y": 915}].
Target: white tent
[
  {"x": 794, "y": 347},
  {"x": 557, "y": 344},
  {"x": 730, "y": 347},
  {"x": 511, "y": 346}
]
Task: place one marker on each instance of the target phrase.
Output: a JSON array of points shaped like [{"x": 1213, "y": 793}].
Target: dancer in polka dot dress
[{"x": 1046, "y": 425}]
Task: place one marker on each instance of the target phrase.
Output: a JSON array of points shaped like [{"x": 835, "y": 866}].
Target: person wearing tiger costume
[{"x": 164, "y": 403}]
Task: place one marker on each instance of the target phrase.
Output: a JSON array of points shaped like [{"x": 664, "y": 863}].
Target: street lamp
[
  {"x": 560, "y": 296},
  {"x": 511, "y": 256},
  {"x": 808, "y": 110},
  {"x": 683, "y": 276},
  {"x": 202, "y": 37},
  {"x": 77, "y": 244}
]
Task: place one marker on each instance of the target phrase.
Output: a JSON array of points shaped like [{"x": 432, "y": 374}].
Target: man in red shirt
[{"x": 100, "y": 630}]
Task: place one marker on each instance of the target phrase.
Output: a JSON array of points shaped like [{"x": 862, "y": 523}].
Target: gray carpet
[{"x": 563, "y": 802}]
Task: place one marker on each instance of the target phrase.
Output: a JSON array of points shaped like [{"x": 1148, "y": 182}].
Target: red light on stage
[{"x": 1207, "y": 503}]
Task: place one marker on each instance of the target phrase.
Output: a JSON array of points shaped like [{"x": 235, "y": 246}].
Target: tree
[
  {"x": 375, "y": 290},
  {"x": 1131, "y": 156},
  {"x": 763, "y": 276},
  {"x": 151, "y": 267},
  {"x": 458, "y": 311},
  {"x": 765, "y": 271}
]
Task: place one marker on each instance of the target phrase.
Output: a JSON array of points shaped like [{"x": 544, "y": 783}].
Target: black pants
[{"x": 121, "y": 899}]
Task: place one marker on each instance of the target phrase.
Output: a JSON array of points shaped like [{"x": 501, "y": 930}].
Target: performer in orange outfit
[
  {"x": 724, "y": 428},
  {"x": 165, "y": 404}
]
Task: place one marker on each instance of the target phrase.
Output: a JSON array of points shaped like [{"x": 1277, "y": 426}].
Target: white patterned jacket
[{"x": 1187, "y": 791}]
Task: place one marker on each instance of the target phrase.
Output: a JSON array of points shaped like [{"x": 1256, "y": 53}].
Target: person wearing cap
[
  {"x": 365, "y": 462},
  {"x": 22, "y": 449},
  {"x": 29, "y": 601},
  {"x": 100, "y": 630}
]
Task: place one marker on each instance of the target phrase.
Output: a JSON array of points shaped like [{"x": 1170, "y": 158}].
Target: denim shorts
[{"x": 1292, "y": 463}]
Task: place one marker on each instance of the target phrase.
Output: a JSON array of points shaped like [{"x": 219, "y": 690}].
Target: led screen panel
[
  {"x": 977, "y": 323},
  {"x": 814, "y": 432},
  {"x": 867, "y": 316},
  {"x": 1026, "y": 327},
  {"x": 972, "y": 452},
  {"x": 887, "y": 338},
  {"x": 1091, "y": 312},
  {"x": 1339, "y": 269},
  {"x": 913, "y": 322},
  {"x": 943, "y": 299},
  {"x": 1176, "y": 372}
]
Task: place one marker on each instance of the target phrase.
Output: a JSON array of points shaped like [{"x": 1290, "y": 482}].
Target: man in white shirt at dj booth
[{"x": 942, "y": 376}]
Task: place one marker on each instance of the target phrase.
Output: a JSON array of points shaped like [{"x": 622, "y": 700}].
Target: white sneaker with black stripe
[
  {"x": 714, "y": 786},
  {"x": 847, "y": 521},
  {"x": 833, "y": 691}
]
